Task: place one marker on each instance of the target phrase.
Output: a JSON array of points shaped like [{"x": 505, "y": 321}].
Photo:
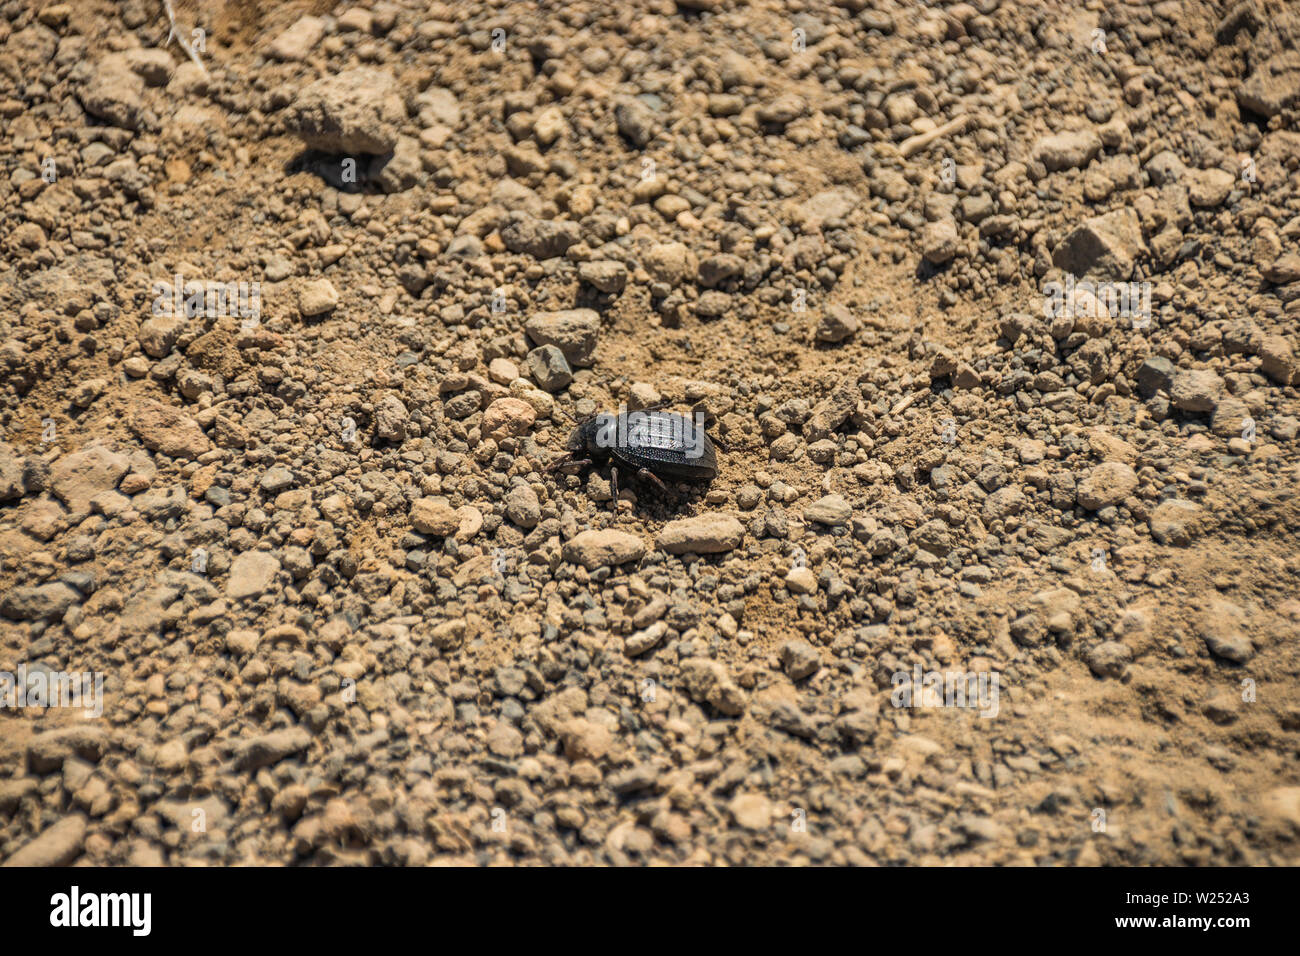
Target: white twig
[
  {"x": 920, "y": 141},
  {"x": 906, "y": 403},
  {"x": 189, "y": 50}
]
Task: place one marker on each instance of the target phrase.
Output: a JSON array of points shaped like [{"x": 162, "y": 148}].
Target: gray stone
[
  {"x": 277, "y": 479},
  {"x": 636, "y": 122},
  {"x": 607, "y": 275},
  {"x": 539, "y": 238},
  {"x": 269, "y": 749},
  {"x": 522, "y": 506},
  {"x": 572, "y": 331},
  {"x": 1110, "y": 659},
  {"x": 1196, "y": 390},
  {"x": 831, "y": 510},
  {"x": 799, "y": 659},
  {"x": 1155, "y": 374},
  {"x": 41, "y": 602},
  {"x": 549, "y": 368},
  {"x": 837, "y": 324}
]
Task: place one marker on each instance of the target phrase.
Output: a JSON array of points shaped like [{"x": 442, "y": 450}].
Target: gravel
[{"x": 995, "y": 335}]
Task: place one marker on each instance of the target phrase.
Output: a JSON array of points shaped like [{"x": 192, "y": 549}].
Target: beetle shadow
[
  {"x": 679, "y": 501},
  {"x": 346, "y": 173},
  {"x": 651, "y": 502},
  {"x": 589, "y": 297},
  {"x": 676, "y": 502},
  {"x": 927, "y": 270}
]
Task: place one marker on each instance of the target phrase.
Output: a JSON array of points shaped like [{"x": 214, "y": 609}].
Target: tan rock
[
  {"x": 78, "y": 477},
  {"x": 508, "y": 418},
  {"x": 57, "y": 845},
  {"x": 434, "y": 516},
  {"x": 1176, "y": 522},
  {"x": 168, "y": 430},
  {"x": 295, "y": 43},
  {"x": 708, "y": 681},
  {"x": 672, "y": 263},
  {"x": 1278, "y": 361},
  {"x": 357, "y": 111},
  {"x": 752, "y": 811},
  {"x": 594, "y": 549},
  {"x": 251, "y": 573},
  {"x": 585, "y": 739},
  {"x": 1108, "y": 484},
  {"x": 709, "y": 533},
  {"x": 1067, "y": 150},
  {"x": 317, "y": 297}
]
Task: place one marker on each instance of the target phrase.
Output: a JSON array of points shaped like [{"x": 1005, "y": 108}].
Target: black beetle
[{"x": 651, "y": 443}]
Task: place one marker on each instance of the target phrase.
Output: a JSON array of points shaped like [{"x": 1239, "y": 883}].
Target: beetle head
[{"x": 583, "y": 440}]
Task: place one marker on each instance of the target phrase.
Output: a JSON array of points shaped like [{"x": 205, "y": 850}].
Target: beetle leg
[
  {"x": 650, "y": 476},
  {"x": 613, "y": 485},
  {"x": 568, "y": 461},
  {"x": 721, "y": 445}
]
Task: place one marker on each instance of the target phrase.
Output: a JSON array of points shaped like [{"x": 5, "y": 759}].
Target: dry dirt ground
[{"x": 993, "y": 305}]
